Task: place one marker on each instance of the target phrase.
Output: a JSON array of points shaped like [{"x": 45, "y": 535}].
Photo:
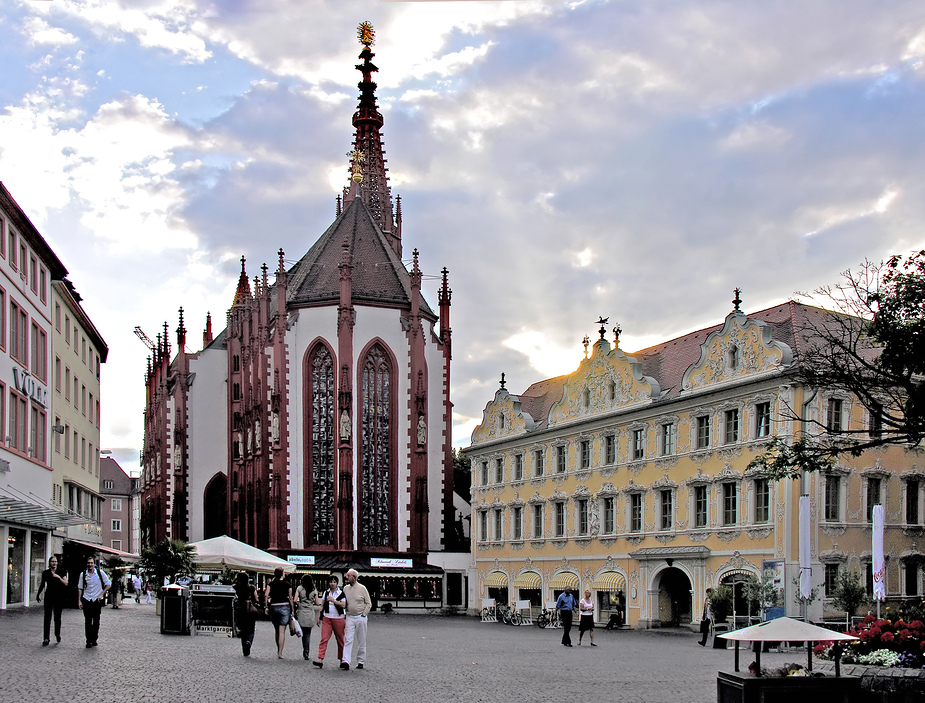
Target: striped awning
[
  {"x": 609, "y": 581},
  {"x": 495, "y": 579},
  {"x": 736, "y": 575},
  {"x": 564, "y": 580},
  {"x": 528, "y": 579}
]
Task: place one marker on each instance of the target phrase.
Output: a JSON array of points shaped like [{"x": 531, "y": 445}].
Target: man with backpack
[{"x": 92, "y": 588}]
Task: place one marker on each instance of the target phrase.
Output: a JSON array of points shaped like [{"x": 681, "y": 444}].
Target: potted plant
[
  {"x": 167, "y": 560},
  {"x": 721, "y": 603},
  {"x": 849, "y": 593}
]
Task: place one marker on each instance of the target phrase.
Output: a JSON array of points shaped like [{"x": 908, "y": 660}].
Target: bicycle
[{"x": 543, "y": 619}]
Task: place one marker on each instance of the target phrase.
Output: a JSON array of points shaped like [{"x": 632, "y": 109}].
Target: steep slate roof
[
  {"x": 790, "y": 322},
  {"x": 379, "y": 277}
]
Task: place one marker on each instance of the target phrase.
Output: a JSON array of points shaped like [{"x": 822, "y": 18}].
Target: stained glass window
[
  {"x": 322, "y": 445},
  {"x": 375, "y": 520}
]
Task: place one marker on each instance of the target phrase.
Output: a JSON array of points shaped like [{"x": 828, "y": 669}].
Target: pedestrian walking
[
  {"x": 565, "y": 605},
  {"x": 333, "y": 604},
  {"x": 358, "y": 607},
  {"x": 706, "y": 620},
  {"x": 246, "y": 609},
  {"x": 136, "y": 586},
  {"x": 92, "y": 588},
  {"x": 586, "y": 618},
  {"x": 307, "y": 606},
  {"x": 280, "y": 606},
  {"x": 55, "y": 588}
]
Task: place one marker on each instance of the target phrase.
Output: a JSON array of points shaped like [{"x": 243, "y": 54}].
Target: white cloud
[
  {"x": 38, "y": 31},
  {"x": 543, "y": 355},
  {"x": 756, "y": 135},
  {"x": 584, "y": 257}
]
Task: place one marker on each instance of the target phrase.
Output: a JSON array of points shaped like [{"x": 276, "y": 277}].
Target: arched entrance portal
[{"x": 674, "y": 598}]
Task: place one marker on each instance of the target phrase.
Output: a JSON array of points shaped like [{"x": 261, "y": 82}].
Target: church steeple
[
  {"x": 243, "y": 291},
  {"x": 368, "y": 172}
]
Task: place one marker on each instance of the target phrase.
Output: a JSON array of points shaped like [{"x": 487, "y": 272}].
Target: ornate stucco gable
[
  {"x": 742, "y": 348},
  {"x": 608, "y": 380},
  {"x": 502, "y": 417}
]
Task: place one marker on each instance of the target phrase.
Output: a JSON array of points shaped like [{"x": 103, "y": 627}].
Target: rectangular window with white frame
[
  {"x": 639, "y": 444},
  {"x": 831, "y": 579},
  {"x": 666, "y": 439},
  {"x": 560, "y": 459},
  {"x": 117, "y": 526},
  {"x": 666, "y": 509},
  {"x": 610, "y": 449},
  {"x": 610, "y": 515},
  {"x": 559, "y": 519},
  {"x": 585, "y": 452},
  {"x": 731, "y": 426},
  {"x": 115, "y": 504},
  {"x": 762, "y": 500},
  {"x": 762, "y": 420},
  {"x": 700, "y": 506},
  {"x": 833, "y": 501},
  {"x": 913, "y": 502},
  {"x": 703, "y": 432},
  {"x": 499, "y": 524},
  {"x": 538, "y": 463},
  {"x": 874, "y": 495},
  {"x": 518, "y": 467},
  {"x": 730, "y": 503},
  {"x": 517, "y": 524},
  {"x": 499, "y": 470},
  {"x": 537, "y": 521},
  {"x": 484, "y": 473},
  {"x": 635, "y": 512},
  {"x": 581, "y": 508},
  {"x": 834, "y": 420},
  {"x": 483, "y": 526}
]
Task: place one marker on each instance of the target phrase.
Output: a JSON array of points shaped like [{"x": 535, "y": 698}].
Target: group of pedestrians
[
  {"x": 341, "y": 612},
  {"x": 566, "y": 605},
  {"x": 92, "y": 587}
]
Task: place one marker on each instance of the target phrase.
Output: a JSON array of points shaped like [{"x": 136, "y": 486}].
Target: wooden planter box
[{"x": 736, "y": 688}]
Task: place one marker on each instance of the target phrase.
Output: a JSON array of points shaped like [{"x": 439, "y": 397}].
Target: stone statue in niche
[
  {"x": 257, "y": 434},
  {"x": 274, "y": 428},
  {"x": 250, "y": 439},
  {"x": 422, "y": 431},
  {"x": 177, "y": 456},
  {"x": 238, "y": 444},
  {"x": 344, "y": 426}
]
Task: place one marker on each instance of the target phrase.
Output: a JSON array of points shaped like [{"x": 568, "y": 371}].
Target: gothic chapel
[{"x": 317, "y": 424}]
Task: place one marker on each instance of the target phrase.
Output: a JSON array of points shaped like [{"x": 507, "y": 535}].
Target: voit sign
[{"x": 28, "y": 386}]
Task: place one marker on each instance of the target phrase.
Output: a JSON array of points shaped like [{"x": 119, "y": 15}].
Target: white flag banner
[
  {"x": 877, "y": 552},
  {"x": 806, "y": 568}
]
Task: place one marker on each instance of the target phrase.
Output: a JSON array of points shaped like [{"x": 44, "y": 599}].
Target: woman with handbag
[
  {"x": 307, "y": 606},
  {"x": 280, "y": 607},
  {"x": 246, "y": 609}
]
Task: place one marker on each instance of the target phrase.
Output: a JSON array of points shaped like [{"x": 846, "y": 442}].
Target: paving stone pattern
[{"x": 410, "y": 658}]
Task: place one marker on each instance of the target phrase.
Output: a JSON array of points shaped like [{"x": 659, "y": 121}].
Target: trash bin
[
  {"x": 213, "y": 609},
  {"x": 176, "y": 614}
]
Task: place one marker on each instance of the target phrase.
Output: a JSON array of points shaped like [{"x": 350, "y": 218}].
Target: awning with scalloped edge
[{"x": 496, "y": 579}]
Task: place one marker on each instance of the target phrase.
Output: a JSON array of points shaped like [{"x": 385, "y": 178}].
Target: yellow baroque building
[{"x": 629, "y": 477}]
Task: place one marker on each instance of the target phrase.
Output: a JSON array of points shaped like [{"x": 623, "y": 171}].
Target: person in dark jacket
[
  {"x": 55, "y": 588},
  {"x": 245, "y": 619}
]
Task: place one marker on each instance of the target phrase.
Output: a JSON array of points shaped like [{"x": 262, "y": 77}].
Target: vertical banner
[
  {"x": 806, "y": 569},
  {"x": 877, "y": 552}
]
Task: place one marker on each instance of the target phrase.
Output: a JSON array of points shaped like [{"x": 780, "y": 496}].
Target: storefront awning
[
  {"x": 495, "y": 579},
  {"x": 128, "y": 556},
  {"x": 609, "y": 581},
  {"x": 17, "y": 507},
  {"x": 564, "y": 580},
  {"x": 528, "y": 579}
]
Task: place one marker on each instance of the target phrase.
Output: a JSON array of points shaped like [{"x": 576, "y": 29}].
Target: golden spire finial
[
  {"x": 358, "y": 158},
  {"x": 366, "y": 34}
]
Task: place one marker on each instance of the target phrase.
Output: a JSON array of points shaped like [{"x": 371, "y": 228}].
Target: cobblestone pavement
[{"x": 410, "y": 658}]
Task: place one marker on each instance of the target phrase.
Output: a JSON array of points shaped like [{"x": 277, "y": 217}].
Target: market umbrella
[
  {"x": 784, "y": 630},
  {"x": 219, "y": 552}
]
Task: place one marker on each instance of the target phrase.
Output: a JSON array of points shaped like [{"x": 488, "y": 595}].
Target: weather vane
[
  {"x": 366, "y": 34},
  {"x": 602, "y": 321}
]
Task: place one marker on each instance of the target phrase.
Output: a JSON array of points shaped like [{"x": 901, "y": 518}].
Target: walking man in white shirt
[
  {"x": 358, "y": 606},
  {"x": 92, "y": 588}
]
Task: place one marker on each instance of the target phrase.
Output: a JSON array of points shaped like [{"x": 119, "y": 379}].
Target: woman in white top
[{"x": 586, "y": 622}]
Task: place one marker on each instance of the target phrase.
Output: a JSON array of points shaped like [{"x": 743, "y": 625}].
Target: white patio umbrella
[
  {"x": 219, "y": 552},
  {"x": 784, "y": 630}
]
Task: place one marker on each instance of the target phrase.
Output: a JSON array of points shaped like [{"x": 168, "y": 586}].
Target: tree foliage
[
  {"x": 721, "y": 599},
  {"x": 870, "y": 347},
  {"x": 849, "y": 593},
  {"x": 169, "y": 558}
]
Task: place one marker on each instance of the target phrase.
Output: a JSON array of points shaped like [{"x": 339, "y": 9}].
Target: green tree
[
  {"x": 168, "y": 558},
  {"x": 721, "y": 603},
  {"x": 849, "y": 593},
  {"x": 462, "y": 473},
  {"x": 762, "y": 593},
  {"x": 870, "y": 346}
]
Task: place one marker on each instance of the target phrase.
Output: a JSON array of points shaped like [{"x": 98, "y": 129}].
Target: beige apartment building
[{"x": 629, "y": 477}]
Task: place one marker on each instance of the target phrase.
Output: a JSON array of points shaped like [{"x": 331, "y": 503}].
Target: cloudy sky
[{"x": 633, "y": 159}]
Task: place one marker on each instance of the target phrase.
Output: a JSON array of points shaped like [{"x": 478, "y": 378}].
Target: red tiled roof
[{"x": 791, "y": 323}]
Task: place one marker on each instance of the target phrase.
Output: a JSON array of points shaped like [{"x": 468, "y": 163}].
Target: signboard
[
  {"x": 390, "y": 563},
  {"x": 301, "y": 559},
  {"x": 214, "y": 630},
  {"x": 28, "y": 386}
]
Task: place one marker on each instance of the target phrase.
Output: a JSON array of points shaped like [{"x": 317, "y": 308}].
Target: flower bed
[{"x": 882, "y": 642}]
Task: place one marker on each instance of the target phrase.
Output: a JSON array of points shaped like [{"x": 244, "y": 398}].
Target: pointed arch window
[
  {"x": 321, "y": 449},
  {"x": 377, "y": 442}
]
